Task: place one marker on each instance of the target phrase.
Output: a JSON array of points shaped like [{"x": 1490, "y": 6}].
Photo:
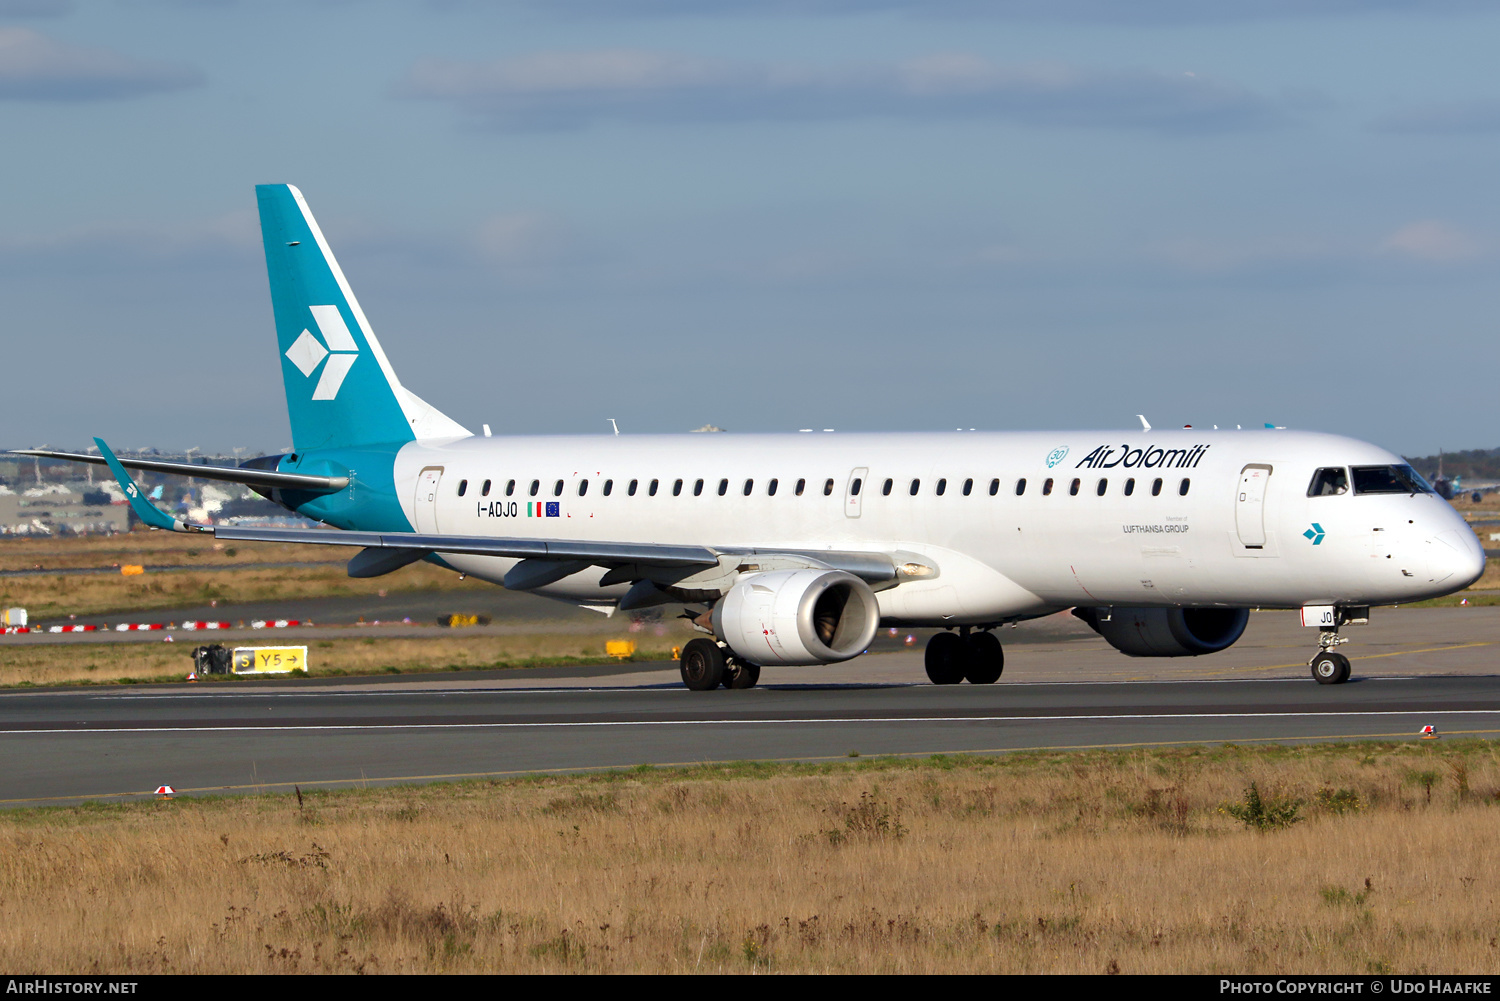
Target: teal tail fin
[{"x": 340, "y": 388}]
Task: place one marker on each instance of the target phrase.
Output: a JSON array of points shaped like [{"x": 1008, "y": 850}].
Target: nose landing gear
[{"x": 1329, "y": 667}]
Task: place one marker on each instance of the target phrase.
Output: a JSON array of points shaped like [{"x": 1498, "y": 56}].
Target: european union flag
[{"x": 554, "y": 509}]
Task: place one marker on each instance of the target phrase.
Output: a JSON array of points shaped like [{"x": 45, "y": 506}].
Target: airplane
[{"x": 792, "y": 549}]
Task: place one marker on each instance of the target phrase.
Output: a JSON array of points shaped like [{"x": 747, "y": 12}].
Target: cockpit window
[
  {"x": 1389, "y": 480},
  {"x": 1328, "y": 482}
]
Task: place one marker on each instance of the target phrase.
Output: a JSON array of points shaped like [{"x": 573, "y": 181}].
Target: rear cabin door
[
  {"x": 1250, "y": 506},
  {"x": 854, "y": 493},
  {"x": 426, "y": 499}
]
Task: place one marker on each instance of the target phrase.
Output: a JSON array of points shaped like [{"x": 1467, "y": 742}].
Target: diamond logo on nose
[{"x": 1315, "y": 533}]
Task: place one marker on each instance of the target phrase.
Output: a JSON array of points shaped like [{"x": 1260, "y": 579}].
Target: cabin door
[
  {"x": 426, "y": 500},
  {"x": 1250, "y": 506}
]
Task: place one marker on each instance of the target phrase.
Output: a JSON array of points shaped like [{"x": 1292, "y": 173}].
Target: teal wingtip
[{"x": 144, "y": 509}]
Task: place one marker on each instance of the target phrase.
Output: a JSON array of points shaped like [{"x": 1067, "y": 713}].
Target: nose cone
[{"x": 1455, "y": 558}]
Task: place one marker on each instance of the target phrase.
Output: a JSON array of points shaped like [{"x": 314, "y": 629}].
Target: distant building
[{"x": 62, "y": 509}]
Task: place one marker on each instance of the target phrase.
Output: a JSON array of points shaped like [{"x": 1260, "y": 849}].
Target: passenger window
[
  {"x": 723, "y": 487},
  {"x": 583, "y": 487},
  {"x": 915, "y": 486},
  {"x": 994, "y": 487},
  {"x": 1182, "y": 488},
  {"x": 1130, "y": 486},
  {"x": 557, "y": 488},
  {"x": 536, "y": 486},
  {"x": 1103, "y": 486},
  {"x": 1020, "y": 486},
  {"x": 828, "y": 489},
  {"x": 697, "y": 488},
  {"x": 1329, "y": 482},
  {"x": 1073, "y": 487},
  {"x": 885, "y": 489},
  {"x": 651, "y": 490},
  {"x": 609, "y": 487},
  {"x": 801, "y": 485},
  {"x": 942, "y": 487},
  {"x": 463, "y": 485},
  {"x": 1156, "y": 488},
  {"x": 510, "y": 488},
  {"x": 968, "y": 487},
  {"x": 854, "y": 487},
  {"x": 486, "y": 491},
  {"x": 771, "y": 488},
  {"x": 630, "y": 490},
  {"x": 1047, "y": 488},
  {"x": 677, "y": 488},
  {"x": 749, "y": 486}
]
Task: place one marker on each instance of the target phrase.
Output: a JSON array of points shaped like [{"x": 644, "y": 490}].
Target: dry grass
[
  {"x": 47, "y": 596},
  {"x": 444, "y": 650},
  {"x": 1030, "y": 863}
]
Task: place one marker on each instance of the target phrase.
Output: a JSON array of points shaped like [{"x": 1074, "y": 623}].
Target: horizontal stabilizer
[{"x": 230, "y": 474}]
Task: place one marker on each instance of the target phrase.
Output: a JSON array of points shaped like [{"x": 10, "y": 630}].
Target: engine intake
[
  {"x": 797, "y": 617},
  {"x": 1167, "y": 632}
]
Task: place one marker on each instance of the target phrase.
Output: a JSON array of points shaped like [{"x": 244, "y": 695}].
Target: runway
[{"x": 66, "y": 746}]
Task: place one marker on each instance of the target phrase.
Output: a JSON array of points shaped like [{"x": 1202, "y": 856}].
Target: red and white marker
[
  {"x": 1429, "y": 732},
  {"x": 165, "y": 791}
]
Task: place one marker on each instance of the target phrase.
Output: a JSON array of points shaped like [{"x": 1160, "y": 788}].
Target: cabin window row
[{"x": 940, "y": 488}]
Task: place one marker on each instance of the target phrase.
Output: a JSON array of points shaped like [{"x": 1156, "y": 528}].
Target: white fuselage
[{"x": 1223, "y": 540}]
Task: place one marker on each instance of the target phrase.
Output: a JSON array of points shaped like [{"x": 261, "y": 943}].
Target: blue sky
[{"x": 859, "y": 214}]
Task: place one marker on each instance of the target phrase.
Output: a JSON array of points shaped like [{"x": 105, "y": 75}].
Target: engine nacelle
[
  {"x": 797, "y": 617},
  {"x": 1167, "y": 632}
]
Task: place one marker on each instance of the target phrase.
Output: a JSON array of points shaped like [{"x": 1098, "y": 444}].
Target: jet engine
[
  {"x": 1167, "y": 632},
  {"x": 797, "y": 617}
]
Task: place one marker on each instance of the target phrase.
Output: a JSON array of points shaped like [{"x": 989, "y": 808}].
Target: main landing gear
[
  {"x": 705, "y": 665},
  {"x": 953, "y": 657},
  {"x": 1329, "y": 667}
]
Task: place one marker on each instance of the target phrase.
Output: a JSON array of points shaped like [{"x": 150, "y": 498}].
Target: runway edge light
[
  {"x": 1429, "y": 732},
  {"x": 165, "y": 791}
]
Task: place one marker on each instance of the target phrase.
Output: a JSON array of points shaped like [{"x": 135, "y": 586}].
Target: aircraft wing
[
  {"x": 233, "y": 474},
  {"x": 382, "y": 552},
  {"x": 420, "y": 545}
]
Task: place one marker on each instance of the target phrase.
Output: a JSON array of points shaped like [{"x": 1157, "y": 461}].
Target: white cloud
[
  {"x": 1431, "y": 240},
  {"x": 553, "y": 90},
  {"x": 37, "y": 68}
]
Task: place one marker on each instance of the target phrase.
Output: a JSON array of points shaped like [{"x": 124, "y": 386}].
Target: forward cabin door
[
  {"x": 1250, "y": 506},
  {"x": 426, "y": 500},
  {"x": 854, "y": 492}
]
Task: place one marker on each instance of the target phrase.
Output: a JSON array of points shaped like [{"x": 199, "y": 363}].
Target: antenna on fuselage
[
  {"x": 613, "y": 424},
  {"x": 1145, "y": 424}
]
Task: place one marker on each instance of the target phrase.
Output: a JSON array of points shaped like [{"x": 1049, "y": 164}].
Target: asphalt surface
[
  {"x": 1063, "y": 688},
  {"x": 97, "y": 744}
]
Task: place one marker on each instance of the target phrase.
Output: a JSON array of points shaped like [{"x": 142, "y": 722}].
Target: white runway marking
[{"x": 520, "y": 724}]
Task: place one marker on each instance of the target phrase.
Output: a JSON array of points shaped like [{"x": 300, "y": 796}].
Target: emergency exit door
[
  {"x": 425, "y": 501},
  {"x": 1250, "y": 506},
  {"x": 854, "y": 493}
]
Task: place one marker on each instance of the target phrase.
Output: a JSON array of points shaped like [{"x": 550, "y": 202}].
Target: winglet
[{"x": 144, "y": 509}]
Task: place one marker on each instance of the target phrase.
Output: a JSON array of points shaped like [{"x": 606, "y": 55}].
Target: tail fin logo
[{"x": 307, "y": 352}]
